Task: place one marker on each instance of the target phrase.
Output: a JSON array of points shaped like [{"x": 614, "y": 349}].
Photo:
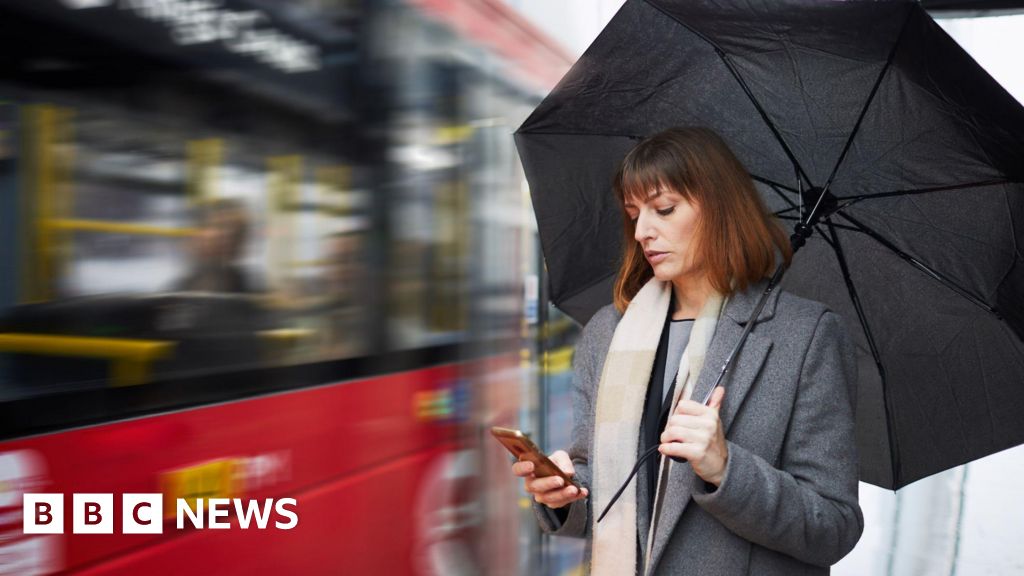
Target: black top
[{"x": 658, "y": 401}]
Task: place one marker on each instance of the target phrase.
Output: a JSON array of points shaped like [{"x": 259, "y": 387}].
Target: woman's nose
[{"x": 643, "y": 228}]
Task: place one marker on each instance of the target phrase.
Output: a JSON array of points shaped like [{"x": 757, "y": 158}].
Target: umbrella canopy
[{"x": 868, "y": 115}]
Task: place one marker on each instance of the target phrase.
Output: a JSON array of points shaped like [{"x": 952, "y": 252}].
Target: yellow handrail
[
  {"x": 119, "y": 227},
  {"x": 131, "y": 358},
  {"x": 287, "y": 335}
]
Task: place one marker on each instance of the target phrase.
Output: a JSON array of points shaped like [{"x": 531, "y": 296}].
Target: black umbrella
[{"x": 866, "y": 127}]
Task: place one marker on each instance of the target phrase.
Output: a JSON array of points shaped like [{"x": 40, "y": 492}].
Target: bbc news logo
[{"x": 143, "y": 513}]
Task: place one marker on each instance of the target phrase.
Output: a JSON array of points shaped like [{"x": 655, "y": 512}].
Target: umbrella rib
[
  {"x": 867, "y": 103},
  {"x": 774, "y": 183},
  {"x": 630, "y": 136},
  {"x": 818, "y": 228},
  {"x": 792, "y": 205},
  {"x": 825, "y": 237},
  {"x": 746, "y": 89},
  {"x": 1013, "y": 232},
  {"x": 894, "y": 453},
  {"x": 851, "y": 200},
  {"x": 764, "y": 115},
  {"x": 935, "y": 274}
]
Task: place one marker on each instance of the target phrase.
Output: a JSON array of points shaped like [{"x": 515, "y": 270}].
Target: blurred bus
[{"x": 258, "y": 249}]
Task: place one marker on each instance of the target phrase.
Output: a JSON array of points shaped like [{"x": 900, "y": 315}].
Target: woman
[{"x": 761, "y": 480}]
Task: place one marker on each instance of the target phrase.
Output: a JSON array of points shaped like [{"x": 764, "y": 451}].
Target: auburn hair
[{"x": 736, "y": 240}]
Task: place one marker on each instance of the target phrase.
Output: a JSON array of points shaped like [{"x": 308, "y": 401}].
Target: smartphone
[{"x": 523, "y": 448}]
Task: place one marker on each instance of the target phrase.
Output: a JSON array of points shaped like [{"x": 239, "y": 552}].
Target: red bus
[{"x": 263, "y": 250}]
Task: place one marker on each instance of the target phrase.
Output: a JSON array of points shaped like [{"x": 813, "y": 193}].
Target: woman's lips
[{"x": 655, "y": 257}]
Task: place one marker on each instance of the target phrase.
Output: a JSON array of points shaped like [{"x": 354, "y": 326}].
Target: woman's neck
[{"x": 690, "y": 293}]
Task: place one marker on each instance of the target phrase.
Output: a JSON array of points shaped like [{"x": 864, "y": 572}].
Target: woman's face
[{"x": 665, "y": 228}]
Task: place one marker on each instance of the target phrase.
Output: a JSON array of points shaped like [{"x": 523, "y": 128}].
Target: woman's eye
[{"x": 667, "y": 211}]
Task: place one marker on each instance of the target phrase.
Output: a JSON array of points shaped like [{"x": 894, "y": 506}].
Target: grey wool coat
[{"x": 787, "y": 504}]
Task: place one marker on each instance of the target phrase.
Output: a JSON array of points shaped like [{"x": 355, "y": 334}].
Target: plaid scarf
[{"x": 620, "y": 405}]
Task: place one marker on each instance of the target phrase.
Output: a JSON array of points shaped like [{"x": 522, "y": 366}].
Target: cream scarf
[{"x": 620, "y": 404}]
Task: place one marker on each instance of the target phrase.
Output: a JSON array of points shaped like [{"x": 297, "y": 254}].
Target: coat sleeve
[
  {"x": 588, "y": 362},
  {"x": 807, "y": 508}
]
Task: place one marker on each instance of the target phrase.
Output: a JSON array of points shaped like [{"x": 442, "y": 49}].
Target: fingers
[
  {"x": 704, "y": 425},
  {"x": 694, "y": 434},
  {"x": 522, "y": 468},
  {"x": 562, "y": 460},
  {"x": 691, "y": 408},
  {"x": 690, "y": 421},
  {"x": 541, "y": 485},
  {"x": 686, "y": 451},
  {"x": 694, "y": 408},
  {"x": 716, "y": 398},
  {"x": 552, "y": 491},
  {"x": 708, "y": 457},
  {"x": 690, "y": 435},
  {"x": 560, "y": 497}
]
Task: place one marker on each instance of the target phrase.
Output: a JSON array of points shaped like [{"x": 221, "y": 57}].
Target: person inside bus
[
  {"x": 217, "y": 250},
  {"x": 344, "y": 307},
  {"x": 763, "y": 478}
]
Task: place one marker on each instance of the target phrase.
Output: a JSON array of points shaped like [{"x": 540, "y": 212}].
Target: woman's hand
[
  {"x": 694, "y": 433},
  {"x": 551, "y": 490}
]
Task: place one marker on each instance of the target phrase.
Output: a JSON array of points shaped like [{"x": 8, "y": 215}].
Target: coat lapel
[{"x": 744, "y": 370}]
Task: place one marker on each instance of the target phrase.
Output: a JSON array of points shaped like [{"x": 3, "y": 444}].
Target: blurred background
[{"x": 269, "y": 248}]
